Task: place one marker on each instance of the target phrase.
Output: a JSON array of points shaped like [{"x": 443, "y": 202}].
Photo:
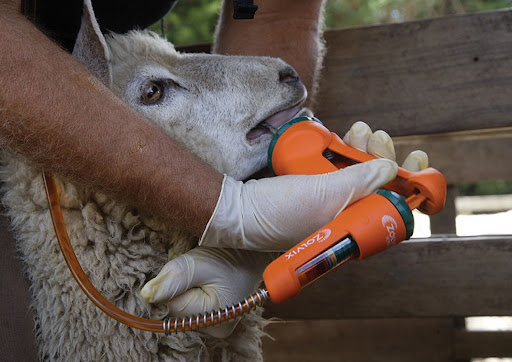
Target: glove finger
[
  {"x": 381, "y": 145},
  {"x": 416, "y": 161},
  {"x": 194, "y": 301},
  {"x": 358, "y": 136},
  {"x": 199, "y": 301},
  {"x": 174, "y": 279}
]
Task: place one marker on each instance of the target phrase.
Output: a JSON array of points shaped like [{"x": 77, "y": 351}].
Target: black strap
[{"x": 244, "y": 9}]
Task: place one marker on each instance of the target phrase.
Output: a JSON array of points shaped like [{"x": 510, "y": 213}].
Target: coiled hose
[{"x": 167, "y": 326}]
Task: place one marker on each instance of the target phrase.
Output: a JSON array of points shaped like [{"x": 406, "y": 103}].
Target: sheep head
[{"x": 222, "y": 108}]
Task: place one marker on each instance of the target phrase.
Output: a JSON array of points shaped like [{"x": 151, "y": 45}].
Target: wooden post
[{"x": 444, "y": 222}]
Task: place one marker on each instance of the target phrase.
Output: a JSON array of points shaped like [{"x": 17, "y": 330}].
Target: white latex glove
[
  {"x": 206, "y": 279},
  {"x": 380, "y": 144}
]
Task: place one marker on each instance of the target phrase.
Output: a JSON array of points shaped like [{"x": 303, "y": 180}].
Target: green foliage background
[
  {"x": 190, "y": 22},
  {"x": 193, "y": 22},
  {"x": 342, "y": 13}
]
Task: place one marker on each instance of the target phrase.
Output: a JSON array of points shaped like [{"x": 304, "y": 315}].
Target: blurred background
[{"x": 193, "y": 21}]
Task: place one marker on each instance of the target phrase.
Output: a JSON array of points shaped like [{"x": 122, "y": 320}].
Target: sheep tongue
[
  {"x": 277, "y": 120},
  {"x": 272, "y": 123}
]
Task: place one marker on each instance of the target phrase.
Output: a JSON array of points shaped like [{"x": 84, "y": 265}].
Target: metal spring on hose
[{"x": 193, "y": 323}]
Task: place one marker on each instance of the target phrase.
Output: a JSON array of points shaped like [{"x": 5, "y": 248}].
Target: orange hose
[
  {"x": 167, "y": 326},
  {"x": 53, "y": 195}
]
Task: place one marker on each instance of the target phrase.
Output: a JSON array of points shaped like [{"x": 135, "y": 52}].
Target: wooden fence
[{"x": 445, "y": 86}]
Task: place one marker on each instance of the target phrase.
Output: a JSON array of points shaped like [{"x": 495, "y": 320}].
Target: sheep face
[{"x": 223, "y": 108}]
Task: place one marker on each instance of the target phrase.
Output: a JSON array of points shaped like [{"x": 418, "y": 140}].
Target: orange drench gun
[{"x": 366, "y": 227}]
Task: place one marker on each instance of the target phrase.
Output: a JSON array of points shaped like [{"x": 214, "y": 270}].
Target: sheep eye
[{"x": 152, "y": 92}]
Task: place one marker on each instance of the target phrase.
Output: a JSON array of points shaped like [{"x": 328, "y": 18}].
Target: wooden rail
[
  {"x": 432, "y": 76},
  {"x": 400, "y": 305},
  {"x": 377, "y": 340},
  {"x": 435, "y": 277}
]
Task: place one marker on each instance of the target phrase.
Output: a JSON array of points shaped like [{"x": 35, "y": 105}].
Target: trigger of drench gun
[{"x": 366, "y": 227}]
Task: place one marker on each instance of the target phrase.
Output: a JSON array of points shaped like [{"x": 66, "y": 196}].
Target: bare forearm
[
  {"x": 287, "y": 29},
  {"x": 56, "y": 114}
]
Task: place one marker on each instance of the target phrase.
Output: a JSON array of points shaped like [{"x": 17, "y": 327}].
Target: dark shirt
[{"x": 60, "y": 19}]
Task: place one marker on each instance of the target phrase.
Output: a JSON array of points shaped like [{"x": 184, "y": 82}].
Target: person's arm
[
  {"x": 56, "y": 114},
  {"x": 287, "y": 29}
]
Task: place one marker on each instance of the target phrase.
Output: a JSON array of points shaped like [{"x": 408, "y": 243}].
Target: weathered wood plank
[
  {"x": 361, "y": 340},
  {"x": 409, "y": 339},
  {"x": 464, "y": 158},
  {"x": 444, "y": 221},
  {"x": 482, "y": 344},
  {"x": 436, "y": 277},
  {"x": 431, "y": 76},
  {"x": 17, "y": 338}
]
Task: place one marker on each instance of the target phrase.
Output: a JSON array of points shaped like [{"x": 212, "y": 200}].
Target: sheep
[{"x": 216, "y": 106}]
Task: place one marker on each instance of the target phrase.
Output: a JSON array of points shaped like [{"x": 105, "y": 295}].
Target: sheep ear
[{"x": 91, "y": 48}]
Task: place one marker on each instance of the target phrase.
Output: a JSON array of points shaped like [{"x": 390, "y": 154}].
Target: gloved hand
[
  {"x": 276, "y": 213},
  {"x": 206, "y": 279}
]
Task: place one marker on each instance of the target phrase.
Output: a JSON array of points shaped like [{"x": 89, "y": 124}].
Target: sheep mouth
[{"x": 268, "y": 127}]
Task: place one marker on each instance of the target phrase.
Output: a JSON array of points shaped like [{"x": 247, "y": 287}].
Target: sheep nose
[{"x": 288, "y": 75}]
